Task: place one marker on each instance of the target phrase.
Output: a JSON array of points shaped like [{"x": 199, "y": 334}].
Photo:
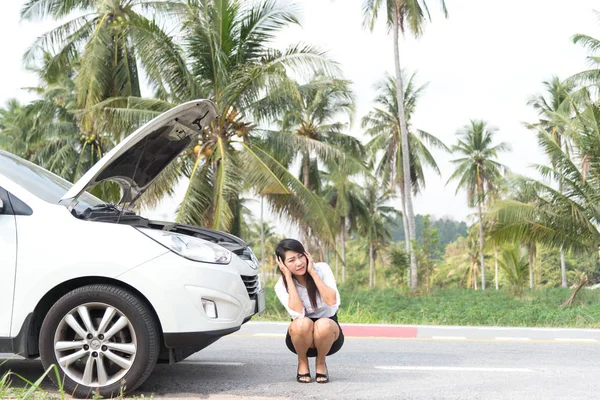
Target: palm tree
[
  {"x": 477, "y": 170},
  {"x": 466, "y": 258},
  {"x": 107, "y": 41},
  {"x": 312, "y": 113},
  {"x": 514, "y": 265},
  {"x": 589, "y": 77},
  {"x": 375, "y": 225},
  {"x": 311, "y": 133},
  {"x": 383, "y": 125},
  {"x": 51, "y": 130},
  {"x": 523, "y": 193},
  {"x": 567, "y": 218},
  {"x": 231, "y": 61},
  {"x": 554, "y": 108},
  {"x": 346, "y": 197},
  {"x": 402, "y": 15},
  {"x": 16, "y": 133}
]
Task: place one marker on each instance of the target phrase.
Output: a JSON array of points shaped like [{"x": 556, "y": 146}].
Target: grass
[
  {"x": 33, "y": 390},
  {"x": 537, "y": 308}
]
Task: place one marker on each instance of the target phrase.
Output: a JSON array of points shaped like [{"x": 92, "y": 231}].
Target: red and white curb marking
[
  {"x": 446, "y": 333},
  {"x": 379, "y": 331}
]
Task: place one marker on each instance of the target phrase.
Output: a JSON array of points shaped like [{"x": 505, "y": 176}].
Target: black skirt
[{"x": 312, "y": 352}]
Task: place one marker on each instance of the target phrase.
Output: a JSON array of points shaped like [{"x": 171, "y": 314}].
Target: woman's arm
[
  {"x": 294, "y": 301},
  {"x": 328, "y": 294}
]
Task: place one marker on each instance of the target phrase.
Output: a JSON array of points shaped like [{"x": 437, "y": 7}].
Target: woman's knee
[
  {"x": 324, "y": 327},
  {"x": 301, "y": 326}
]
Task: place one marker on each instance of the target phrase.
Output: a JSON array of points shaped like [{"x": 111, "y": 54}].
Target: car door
[{"x": 8, "y": 262}]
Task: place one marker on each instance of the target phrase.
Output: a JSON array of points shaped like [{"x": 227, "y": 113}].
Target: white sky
[{"x": 484, "y": 62}]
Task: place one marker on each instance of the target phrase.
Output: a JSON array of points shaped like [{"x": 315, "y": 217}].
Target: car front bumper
[
  {"x": 180, "y": 345},
  {"x": 178, "y": 290}
]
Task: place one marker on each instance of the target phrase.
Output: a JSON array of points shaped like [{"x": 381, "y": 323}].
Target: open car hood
[{"x": 137, "y": 160}]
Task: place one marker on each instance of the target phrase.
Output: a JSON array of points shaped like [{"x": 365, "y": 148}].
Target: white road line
[
  {"x": 457, "y": 369},
  {"x": 449, "y": 337},
  {"x": 442, "y": 327},
  {"x": 512, "y": 338},
  {"x": 269, "y": 334},
  {"x": 575, "y": 340},
  {"x": 268, "y": 323},
  {"x": 215, "y": 363}
]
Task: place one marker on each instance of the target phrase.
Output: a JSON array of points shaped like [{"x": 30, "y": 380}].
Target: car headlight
[{"x": 190, "y": 247}]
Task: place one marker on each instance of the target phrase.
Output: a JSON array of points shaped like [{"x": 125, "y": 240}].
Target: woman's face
[{"x": 296, "y": 262}]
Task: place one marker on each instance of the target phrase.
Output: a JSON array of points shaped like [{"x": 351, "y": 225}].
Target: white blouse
[{"x": 323, "y": 309}]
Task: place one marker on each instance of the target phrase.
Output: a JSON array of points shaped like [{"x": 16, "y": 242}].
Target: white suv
[{"x": 102, "y": 292}]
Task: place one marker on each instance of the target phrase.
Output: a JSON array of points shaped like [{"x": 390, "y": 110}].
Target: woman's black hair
[{"x": 294, "y": 245}]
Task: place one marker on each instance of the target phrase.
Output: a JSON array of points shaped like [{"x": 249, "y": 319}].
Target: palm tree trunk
[
  {"x": 306, "y": 172},
  {"x": 371, "y": 265},
  {"x": 343, "y": 229},
  {"x": 262, "y": 239},
  {"x": 531, "y": 266},
  {"x": 496, "y": 256},
  {"x": 405, "y": 225},
  {"x": 337, "y": 275},
  {"x": 306, "y": 181},
  {"x": 405, "y": 152},
  {"x": 481, "y": 245},
  {"x": 474, "y": 275},
  {"x": 563, "y": 268}
]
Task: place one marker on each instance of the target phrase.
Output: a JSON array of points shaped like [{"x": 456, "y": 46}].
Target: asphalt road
[{"x": 386, "y": 362}]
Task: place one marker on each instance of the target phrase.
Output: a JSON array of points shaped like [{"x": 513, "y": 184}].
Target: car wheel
[{"x": 104, "y": 340}]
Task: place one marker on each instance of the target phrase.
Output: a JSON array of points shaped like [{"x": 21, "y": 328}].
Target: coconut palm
[
  {"x": 552, "y": 109},
  {"x": 346, "y": 197},
  {"x": 591, "y": 76},
  {"x": 477, "y": 170},
  {"x": 53, "y": 136},
  {"x": 16, "y": 133},
  {"x": 514, "y": 265},
  {"x": 110, "y": 42},
  {"x": 383, "y": 125},
  {"x": 376, "y": 223},
  {"x": 522, "y": 192},
  {"x": 312, "y": 113},
  {"x": 466, "y": 255},
  {"x": 227, "y": 45},
  {"x": 402, "y": 15},
  {"x": 312, "y": 135},
  {"x": 567, "y": 218}
]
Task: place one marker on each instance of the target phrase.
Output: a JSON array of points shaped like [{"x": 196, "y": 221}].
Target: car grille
[{"x": 251, "y": 283}]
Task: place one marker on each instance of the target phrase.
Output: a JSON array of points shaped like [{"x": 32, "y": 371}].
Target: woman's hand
[
  {"x": 284, "y": 270},
  {"x": 310, "y": 264}
]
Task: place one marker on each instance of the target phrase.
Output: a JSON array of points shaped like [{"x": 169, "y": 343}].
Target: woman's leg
[
  {"x": 301, "y": 332},
  {"x": 325, "y": 332}
]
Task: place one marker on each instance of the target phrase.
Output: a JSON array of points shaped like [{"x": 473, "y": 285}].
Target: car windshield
[{"x": 40, "y": 182}]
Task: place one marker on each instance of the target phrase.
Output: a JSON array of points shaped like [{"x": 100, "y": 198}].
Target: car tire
[{"x": 103, "y": 339}]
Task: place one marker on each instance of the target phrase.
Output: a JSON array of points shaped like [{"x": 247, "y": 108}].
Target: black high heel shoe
[
  {"x": 299, "y": 377},
  {"x": 324, "y": 377}
]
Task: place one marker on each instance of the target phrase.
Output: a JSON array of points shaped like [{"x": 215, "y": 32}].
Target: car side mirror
[{"x": 1, "y": 207}]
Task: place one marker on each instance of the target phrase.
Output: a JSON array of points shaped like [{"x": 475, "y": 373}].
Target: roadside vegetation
[{"x": 460, "y": 307}]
